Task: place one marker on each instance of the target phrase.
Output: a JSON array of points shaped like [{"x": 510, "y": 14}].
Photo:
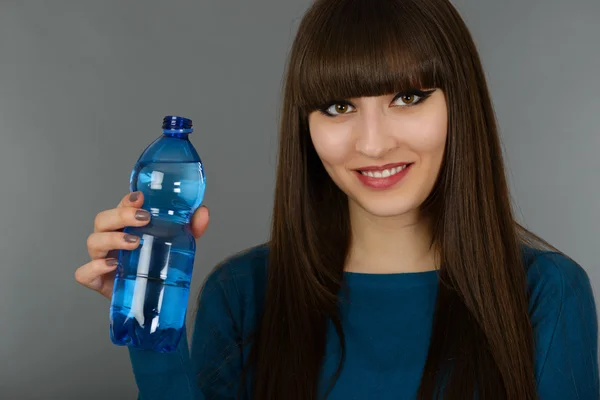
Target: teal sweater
[{"x": 387, "y": 326}]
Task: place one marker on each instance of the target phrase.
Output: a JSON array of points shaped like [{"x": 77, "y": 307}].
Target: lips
[
  {"x": 383, "y": 177},
  {"x": 384, "y": 173},
  {"x": 382, "y": 167}
]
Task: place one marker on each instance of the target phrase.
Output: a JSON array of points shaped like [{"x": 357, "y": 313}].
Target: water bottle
[{"x": 152, "y": 282}]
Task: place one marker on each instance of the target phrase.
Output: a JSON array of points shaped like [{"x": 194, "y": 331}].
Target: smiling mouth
[{"x": 385, "y": 173}]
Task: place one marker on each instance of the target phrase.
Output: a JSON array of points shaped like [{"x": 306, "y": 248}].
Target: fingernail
[
  {"x": 111, "y": 262},
  {"x": 134, "y": 196},
  {"x": 130, "y": 238},
  {"x": 142, "y": 215}
]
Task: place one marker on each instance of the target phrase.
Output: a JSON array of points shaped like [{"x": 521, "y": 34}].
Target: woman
[{"x": 395, "y": 267}]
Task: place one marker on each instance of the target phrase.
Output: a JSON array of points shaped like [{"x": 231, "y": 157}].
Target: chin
[{"x": 387, "y": 207}]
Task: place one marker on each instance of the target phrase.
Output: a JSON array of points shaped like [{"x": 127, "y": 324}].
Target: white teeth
[{"x": 385, "y": 173}]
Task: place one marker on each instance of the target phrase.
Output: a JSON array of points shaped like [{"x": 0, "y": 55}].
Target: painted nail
[
  {"x": 134, "y": 196},
  {"x": 142, "y": 215},
  {"x": 130, "y": 238}
]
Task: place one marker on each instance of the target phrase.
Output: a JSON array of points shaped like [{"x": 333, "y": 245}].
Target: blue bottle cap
[{"x": 171, "y": 122}]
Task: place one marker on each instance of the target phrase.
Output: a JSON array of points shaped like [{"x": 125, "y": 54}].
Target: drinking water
[{"x": 152, "y": 282}]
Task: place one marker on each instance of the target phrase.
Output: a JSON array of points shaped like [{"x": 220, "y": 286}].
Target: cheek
[
  {"x": 333, "y": 145},
  {"x": 428, "y": 137}
]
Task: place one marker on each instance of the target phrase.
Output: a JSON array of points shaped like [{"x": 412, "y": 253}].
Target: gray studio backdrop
[{"x": 84, "y": 86}]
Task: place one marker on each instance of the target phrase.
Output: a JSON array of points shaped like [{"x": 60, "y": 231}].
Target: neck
[{"x": 389, "y": 244}]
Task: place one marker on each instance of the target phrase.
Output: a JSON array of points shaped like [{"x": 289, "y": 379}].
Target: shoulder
[
  {"x": 227, "y": 312},
  {"x": 563, "y": 316},
  {"x": 241, "y": 269},
  {"x": 237, "y": 283},
  {"x": 553, "y": 276}
]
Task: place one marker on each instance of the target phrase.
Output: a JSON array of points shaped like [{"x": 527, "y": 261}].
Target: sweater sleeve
[
  {"x": 161, "y": 376},
  {"x": 564, "y": 318},
  {"x": 214, "y": 366}
]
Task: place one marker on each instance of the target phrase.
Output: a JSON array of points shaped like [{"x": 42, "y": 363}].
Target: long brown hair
[{"x": 482, "y": 338}]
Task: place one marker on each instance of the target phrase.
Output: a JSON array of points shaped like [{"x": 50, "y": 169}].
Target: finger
[
  {"x": 90, "y": 275},
  {"x": 200, "y": 221},
  {"x": 99, "y": 244},
  {"x": 118, "y": 218},
  {"x": 133, "y": 199}
]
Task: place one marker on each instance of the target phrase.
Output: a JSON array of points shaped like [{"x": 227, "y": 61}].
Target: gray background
[{"x": 84, "y": 86}]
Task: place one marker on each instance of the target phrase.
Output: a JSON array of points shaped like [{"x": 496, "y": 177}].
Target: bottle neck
[{"x": 177, "y": 133}]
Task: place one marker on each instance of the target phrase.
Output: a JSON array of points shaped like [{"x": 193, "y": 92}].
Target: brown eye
[
  {"x": 341, "y": 108},
  {"x": 408, "y": 99},
  {"x": 338, "y": 109}
]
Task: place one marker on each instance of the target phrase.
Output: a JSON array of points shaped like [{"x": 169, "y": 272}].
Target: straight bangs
[{"x": 364, "y": 50}]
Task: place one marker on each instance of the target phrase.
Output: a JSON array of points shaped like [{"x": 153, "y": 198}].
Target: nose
[{"x": 373, "y": 136}]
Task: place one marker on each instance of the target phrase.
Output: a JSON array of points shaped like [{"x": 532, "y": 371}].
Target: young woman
[{"x": 395, "y": 267}]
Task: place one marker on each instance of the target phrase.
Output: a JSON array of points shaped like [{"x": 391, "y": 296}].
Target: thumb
[{"x": 199, "y": 221}]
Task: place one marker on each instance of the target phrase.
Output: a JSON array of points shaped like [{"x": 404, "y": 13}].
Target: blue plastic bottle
[{"x": 152, "y": 282}]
